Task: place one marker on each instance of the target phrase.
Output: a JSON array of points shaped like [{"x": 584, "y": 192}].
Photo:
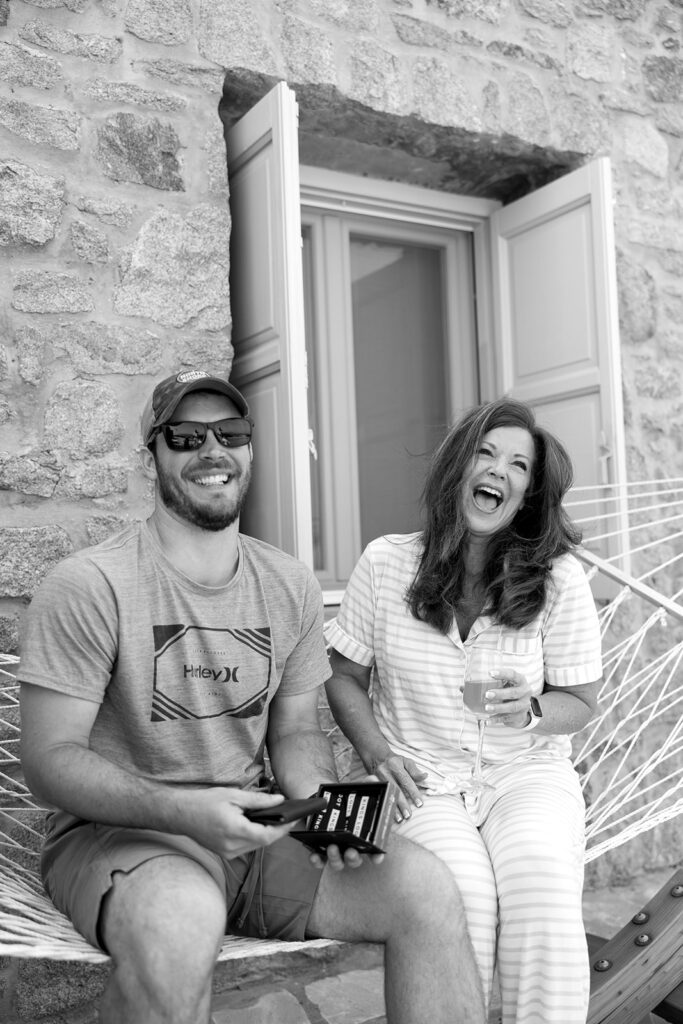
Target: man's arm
[
  {"x": 62, "y": 771},
  {"x": 300, "y": 753},
  {"x": 302, "y": 758}
]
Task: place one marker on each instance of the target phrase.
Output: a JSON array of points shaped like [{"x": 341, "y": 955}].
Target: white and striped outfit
[{"x": 516, "y": 852}]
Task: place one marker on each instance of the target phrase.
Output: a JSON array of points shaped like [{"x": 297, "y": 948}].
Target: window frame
[{"x": 339, "y": 205}]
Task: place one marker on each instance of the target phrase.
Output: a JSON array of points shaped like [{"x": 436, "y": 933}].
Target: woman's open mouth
[{"x": 487, "y": 499}]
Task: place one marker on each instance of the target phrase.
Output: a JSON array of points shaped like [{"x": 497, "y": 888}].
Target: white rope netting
[{"x": 630, "y": 757}]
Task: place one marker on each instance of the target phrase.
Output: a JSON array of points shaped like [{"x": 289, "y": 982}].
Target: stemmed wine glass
[{"x": 478, "y": 680}]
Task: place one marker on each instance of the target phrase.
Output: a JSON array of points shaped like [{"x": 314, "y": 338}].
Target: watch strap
[{"x": 536, "y": 715}]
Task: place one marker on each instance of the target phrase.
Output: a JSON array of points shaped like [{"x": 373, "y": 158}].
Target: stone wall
[
  {"x": 114, "y": 235},
  {"x": 114, "y": 212}
]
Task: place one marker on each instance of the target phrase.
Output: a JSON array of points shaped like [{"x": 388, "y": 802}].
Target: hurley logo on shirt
[{"x": 201, "y": 672}]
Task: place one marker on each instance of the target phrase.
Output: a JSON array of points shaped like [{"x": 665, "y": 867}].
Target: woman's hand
[
  {"x": 406, "y": 775},
  {"x": 508, "y": 699}
]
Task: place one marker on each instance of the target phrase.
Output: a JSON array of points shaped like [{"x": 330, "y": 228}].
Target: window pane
[{"x": 400, "y": 376}]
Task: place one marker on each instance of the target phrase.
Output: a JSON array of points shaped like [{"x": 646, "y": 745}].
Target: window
[
  {"x": 522, "y": 300},
  {"x": 392, "y": 358}
]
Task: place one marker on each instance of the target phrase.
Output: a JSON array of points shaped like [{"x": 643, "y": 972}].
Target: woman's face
[{"x": 493, "y": 488}]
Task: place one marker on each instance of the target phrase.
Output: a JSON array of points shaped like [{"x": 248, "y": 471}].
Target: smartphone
[{"x": 289, "y": 810}]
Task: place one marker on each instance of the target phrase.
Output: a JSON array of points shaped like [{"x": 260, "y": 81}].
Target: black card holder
[{"x": 358, "y": 815}]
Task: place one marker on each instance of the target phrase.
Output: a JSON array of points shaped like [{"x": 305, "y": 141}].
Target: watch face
[{"x": 535, "y": 707}]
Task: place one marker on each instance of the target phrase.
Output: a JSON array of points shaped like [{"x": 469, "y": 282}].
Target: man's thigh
[
  {"x": 268, "y": 893},
  {"x": 363, "y": 904},
  {"x": 83, "y": 864}
]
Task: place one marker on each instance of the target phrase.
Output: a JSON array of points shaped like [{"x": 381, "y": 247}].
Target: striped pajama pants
[{"x": 517, "y": 856}]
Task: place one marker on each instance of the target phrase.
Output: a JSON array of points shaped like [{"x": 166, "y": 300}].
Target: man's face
[{"x": 205, "y": 487}]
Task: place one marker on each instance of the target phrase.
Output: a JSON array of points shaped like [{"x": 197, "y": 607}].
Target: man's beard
[{"x": 203, "y": 516}]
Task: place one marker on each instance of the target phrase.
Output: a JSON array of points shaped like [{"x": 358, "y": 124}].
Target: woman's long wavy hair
[{"x": 520, "y": 556}]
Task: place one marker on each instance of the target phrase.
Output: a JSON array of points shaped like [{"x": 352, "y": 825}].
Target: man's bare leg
[
  {"x": 163, "y": 925},
  {"x": 410, "y": 903}
]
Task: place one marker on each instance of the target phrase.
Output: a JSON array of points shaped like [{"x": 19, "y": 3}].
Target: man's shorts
[{"x": 268, "y": 892}]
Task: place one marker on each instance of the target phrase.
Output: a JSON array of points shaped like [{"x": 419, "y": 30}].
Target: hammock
[
  {"x": 30, "y": 926},
  {"x": 630, "y": 758}
]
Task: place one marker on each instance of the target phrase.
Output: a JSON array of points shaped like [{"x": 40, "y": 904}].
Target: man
[{"x": 156, "y": 667}]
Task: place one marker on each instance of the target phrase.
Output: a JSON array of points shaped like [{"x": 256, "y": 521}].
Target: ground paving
[{"x": 346, "y": 987}]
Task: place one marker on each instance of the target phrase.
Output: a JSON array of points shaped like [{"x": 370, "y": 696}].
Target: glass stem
[{"x": 476, "y": 773}]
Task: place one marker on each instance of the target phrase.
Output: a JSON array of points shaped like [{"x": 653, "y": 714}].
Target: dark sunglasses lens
[
  {"x": 233, "y": 433},
  {"x": 189, "y": 435},
  {"x": 184, "y": 437}
]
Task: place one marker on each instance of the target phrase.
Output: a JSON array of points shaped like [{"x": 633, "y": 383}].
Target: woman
[{"x": 492, "y": 574}]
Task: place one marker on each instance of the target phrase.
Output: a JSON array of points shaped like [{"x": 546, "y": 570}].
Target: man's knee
[
  {"x": 167, "y": 910},
  {"x": 424, "y": 883}
]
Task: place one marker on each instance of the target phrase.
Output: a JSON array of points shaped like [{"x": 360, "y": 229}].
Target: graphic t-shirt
[{"x": 183, "y": 673}]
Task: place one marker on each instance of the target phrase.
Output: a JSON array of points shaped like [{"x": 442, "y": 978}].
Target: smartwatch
[{"x": 536, "y": 715}]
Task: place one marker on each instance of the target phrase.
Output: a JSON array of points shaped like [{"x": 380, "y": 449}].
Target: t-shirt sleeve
[
  {"x": 308, "y": 665},
  {"x": 352, "y": 632},
  {"x": 69, "y": 634},
  {"x": 571, "y": 630}
]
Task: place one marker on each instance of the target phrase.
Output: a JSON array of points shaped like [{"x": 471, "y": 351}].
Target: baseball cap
[{"x": 170, "y": 391}]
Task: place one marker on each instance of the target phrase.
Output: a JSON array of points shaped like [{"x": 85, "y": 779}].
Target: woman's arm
[
  {"x": 349, "y": 700},
  {"x": 566, "y": 709}
]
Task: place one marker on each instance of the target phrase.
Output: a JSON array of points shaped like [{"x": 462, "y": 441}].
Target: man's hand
[
  {"x": 349, "y": 859},
  {"x": 215, "y": 819}
]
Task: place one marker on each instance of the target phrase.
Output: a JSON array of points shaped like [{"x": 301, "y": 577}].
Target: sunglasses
[{"x": 189, "y": 435}]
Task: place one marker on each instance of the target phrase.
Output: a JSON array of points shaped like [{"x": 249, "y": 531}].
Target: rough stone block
[
  {"x": 160, "y": 21},
  {"x": 27, "y": 475},
  {"x": 47, "y": 987},
  {"x": 354, "y": 15},
  {"x": 232, "y": 35},
  {"x": 83, "y": 418},
  {"x": 208, "y": 79},
  {"x": 96, "y": 348},
  {"x": 20, "y": 66},
  {"x": 32, "y": 204},
  {"x": 33, "y": 352},
  {"x": 93, "y": 478},
  {"x": 104, "y": 91},
  {"x": 591, "y": 51},
  {"x": 99, "y": 528},
  {"x": 443, "y": 97},
  {"x": 9, "y": 634},
  {"x": 645, "y": 146},
  {"x": 27, "y": 554},
  {"x": 663, "y": 78},
  {"x": 42, "y": 291},
  {"x": 47, "y": 126},
  {"x": 553, "y": 12},
  {"x": 178, "y": 271},
  {"x": 418, "y": 32},
  {"x": 309, "y": 54},
  {"x": 107, "y": 209},
  {"x": 93, "y": 47},
  {"x": 272, "y": 1008},
  {"x": 377, "y": 78},
  {"x": 89, "y": 244},
  {"x": 351, "y": 998},
  {"x": 140, "y": 150},
  {"x": 637, "y": 300},
  {"x": 492, "y": 11}
]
